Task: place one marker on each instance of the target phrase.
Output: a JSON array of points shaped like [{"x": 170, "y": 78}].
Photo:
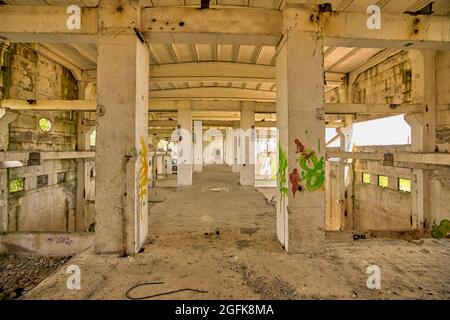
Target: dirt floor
[{"x": 219, "y": 237}]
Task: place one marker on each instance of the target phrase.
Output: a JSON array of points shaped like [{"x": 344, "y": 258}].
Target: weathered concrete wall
[
  {"x": 398, "y": 79},
  {"x": 46, "y": 244},
  {"x": 443, "y": 100},
  {"x": 25, "y": 135},
  {"x": 440, "y": 195},
  {"x": 34, "y": 76},
  {"x": 49, "y": 207},
  {"x": 387, "y": 82},
  {"x": 381, "y": 208}
]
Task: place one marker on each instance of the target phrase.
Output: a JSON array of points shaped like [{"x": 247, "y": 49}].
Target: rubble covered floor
[{"x": 224, "y": 243}]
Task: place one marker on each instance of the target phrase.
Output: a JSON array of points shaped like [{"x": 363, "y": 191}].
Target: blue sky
[{"x": 386, "y": 131}]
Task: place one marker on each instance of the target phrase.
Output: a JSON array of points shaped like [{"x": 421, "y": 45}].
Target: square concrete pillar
[
  {"x": 235, "y": 167},
  {"x": 301, "y": 124},
  {"x": 198, "y": 146},
  {"x": 344, "y": 179},
  {"x": 247, "y": 144},
  {"x": 229, "y": 147},
  {"x": 423, "y": 134},
  {"x": 83, "y": 144},
  {"x": 185, "y": 163},
  {"x": 121, "y": 204}
]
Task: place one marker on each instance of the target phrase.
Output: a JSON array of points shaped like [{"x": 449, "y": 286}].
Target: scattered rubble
[
  {"x": 269, "y": 289},
  {"x": 20, "y": 274}
]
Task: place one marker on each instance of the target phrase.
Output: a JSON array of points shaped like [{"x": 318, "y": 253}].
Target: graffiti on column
[
  {"x": 442, "y": 230},
  {"x": 282, "y": 166},
  {"x": 313, "y": 172},
  {"x": 294, "y": 178},
  {"x": 143, "y": 174}
]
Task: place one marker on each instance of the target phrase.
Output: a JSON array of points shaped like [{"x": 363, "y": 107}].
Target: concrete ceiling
[{"x": 339, "y": 60}]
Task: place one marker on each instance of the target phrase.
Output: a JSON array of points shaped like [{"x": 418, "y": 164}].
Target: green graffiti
[
  {"x": 282, "y": 166},
  {"x": 442, "y": 230},
  {"x": 314, "y": 175}
]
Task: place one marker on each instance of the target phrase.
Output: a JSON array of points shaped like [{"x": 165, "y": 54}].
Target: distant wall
[
  {"x": 381, "y": 208},
  {"x": 46, "y": 244},
  {"x": 51, "y": 207},
  {"x": 398, "y": 79}
]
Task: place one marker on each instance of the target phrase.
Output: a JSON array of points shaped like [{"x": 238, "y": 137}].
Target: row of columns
[
  {"x": 122, "y": 133},
  {"x": 190, "y": 151}
]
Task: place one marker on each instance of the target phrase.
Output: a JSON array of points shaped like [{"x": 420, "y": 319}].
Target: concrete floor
[{"x": 223, "y": 241}]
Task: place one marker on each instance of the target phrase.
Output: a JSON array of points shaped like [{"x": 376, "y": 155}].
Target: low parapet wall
[{"x": 46, "y": 244}]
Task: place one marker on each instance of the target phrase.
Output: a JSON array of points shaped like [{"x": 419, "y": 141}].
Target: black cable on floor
[{"x": 159, "y": 294}]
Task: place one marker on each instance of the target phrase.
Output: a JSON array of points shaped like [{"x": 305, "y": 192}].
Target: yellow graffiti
[{"x": 143, "y": 173}]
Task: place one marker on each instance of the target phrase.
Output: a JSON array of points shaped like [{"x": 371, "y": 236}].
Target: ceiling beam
[
  {"x": 217, "y": 72},
  {"x": 212, "y": 71},
  {"x": 214, "y": 105},
  {"x": 213, "y": 93},
  {"x": 211, "y": 123},
  {"x": 236, "y": 26},
  {"x": 46, "y": 24},
  {"x": 219, "y": 26}
]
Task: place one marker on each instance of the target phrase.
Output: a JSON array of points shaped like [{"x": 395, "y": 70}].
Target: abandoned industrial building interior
[{"x": 225, "y": 149}]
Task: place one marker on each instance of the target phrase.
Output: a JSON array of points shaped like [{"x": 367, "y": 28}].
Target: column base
[
  {"x": 184, "y": 175},
  {"x": 247, "y": 177}
]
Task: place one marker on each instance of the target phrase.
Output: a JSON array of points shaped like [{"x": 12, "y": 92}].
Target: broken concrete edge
[{"x": 45, "y": 243}]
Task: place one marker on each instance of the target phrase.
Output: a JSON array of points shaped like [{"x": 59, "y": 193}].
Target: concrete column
[
  {"x": 247, "y": 144},
  {"x": 83, "y": 144},
  {"x": 423, "y": 133},
  {"x": 301, "y": 124},
  {"x": 122, "y": 133},
  {"x": 235, "y": 167},
  {"x": 198, "y": 146},
  {"x": 345, "y": 179},
  {"x": 6, "y": 117},
  {"x": 185, "y": 163},
  {"x": 229, "y": 147},
  {"x": 3, "y": 201}
]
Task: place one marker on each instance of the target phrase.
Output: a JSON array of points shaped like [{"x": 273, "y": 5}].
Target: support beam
[
  {"x": 121, "y": 205},
  {"x": 221, "y": 26},
  {"x": 263, "y": 27},
  {"x": 50, "y": 105},
  {"x": 211, "y": 123},
  {"x": 23, "y": 156},
  {"x": 184, "y": 165},
  {"x": 46, "y": 24},
  {"x": 84, "y": 131},
  {"x": 372, "y": 109},
  {"x": 213, "y": 93},
  {"x": 437, "y": 159},
  {"x": 212, "y": 71},
  {"x": 301, "y": 125},
  {"x": 198, "y": 146},
  {"x": 218, "y": 71},
  {"x": 237, "y": 26},
  {"x": 247, "y": 140},
  {"x": 170, "y": 104}
]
